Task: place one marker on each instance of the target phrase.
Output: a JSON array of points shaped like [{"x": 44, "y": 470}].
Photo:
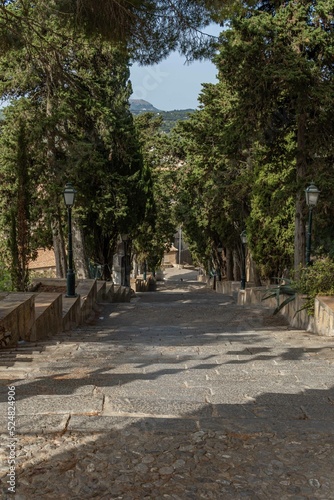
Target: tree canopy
[
  {"x": 263, "y": 133},
  {"x": 146, "y": 29},
  {"x": 241, "y": 161}
]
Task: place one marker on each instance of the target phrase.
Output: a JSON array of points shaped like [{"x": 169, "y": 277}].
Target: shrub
[
  {"x": 314, "y": 280},
  {"x": 317, "y": 279},
  {"x": 5, "y": 279}
]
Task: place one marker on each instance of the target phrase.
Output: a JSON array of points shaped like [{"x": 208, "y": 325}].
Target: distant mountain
[
  {"x": 170, "y": 118},
  {"x": 138, "y": 106}
]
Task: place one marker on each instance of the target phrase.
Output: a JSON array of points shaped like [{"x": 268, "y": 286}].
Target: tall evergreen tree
[
  {"x": 86, "y": 130},
  {"x": 278, "y": 59}
]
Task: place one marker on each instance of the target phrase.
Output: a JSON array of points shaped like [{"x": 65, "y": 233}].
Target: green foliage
[
  {"x": 169, "y": 118},
  {"x": 5, "y": 279},
  {"x": 158, "y": 227},
  {"x": 80, "y": 129},
  {"x": 314, "y": 280},
  {"x": 317, "y": 279},
  {"x": 212, "y": 189},
  {"x": 148, "y": 30},
  {"x": 241, "y": 161},
  {"x": 262, "y": 134},
  {"x": 285, "y": 288},
  {"x": 277, "y": 59},
  {"x": 272, "y": 209},
  {"x": 20, "y": 215}
]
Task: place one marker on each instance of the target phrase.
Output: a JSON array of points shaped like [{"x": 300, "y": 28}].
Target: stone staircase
[{"x": 46, "y": 311}]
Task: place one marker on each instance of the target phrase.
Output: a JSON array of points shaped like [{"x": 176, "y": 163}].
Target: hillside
[
  {"x": 170, "y": 118},
  {"x": 138, "y": 106}
]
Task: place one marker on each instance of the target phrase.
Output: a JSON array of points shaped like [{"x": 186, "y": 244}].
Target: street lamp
[
  {"x": 312, "y": 195},
  {"x": 69, "y": 197},
  {"x": 243, "y": 237},
  {"x": 125, "y": 238}
]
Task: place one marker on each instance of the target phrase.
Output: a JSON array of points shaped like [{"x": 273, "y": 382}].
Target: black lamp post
[
  {"x": 243, "y": 237},
  {"x": 125, "y": 238},
  {"x": 69, "y": 197},
  {"x": 312, "y": 195}
]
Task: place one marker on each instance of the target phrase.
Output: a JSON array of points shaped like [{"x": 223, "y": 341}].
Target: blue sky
[{"x": 173, "y": 84}]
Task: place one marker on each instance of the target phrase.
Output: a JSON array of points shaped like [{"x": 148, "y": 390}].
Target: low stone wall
[
  {"x": 324, "y": 316},
  {"x": 71, "y": 313},
  {"x": 87, "y": 289},
  {"x": 322, "y": 323},
  {"x": 121, "y": 294},
  {"x": 37, "y": 315},
  {"x": 17, "y": 318},
  {"x": 141, "y": 285},
  {"x": 48, "y": 315},
  {"x": 292, "y": 311},
  {"x": 228, "y": 287}
]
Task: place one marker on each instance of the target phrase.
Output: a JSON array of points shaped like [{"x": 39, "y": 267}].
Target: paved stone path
[{"x": 180, "y": 394}]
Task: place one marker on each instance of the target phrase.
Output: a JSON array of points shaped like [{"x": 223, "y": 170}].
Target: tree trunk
[
  {"x": 59, "y": 247},
  {"x": 236, "y": 266},
  {"x": 23, "y": 234},
  {"x": 79, "y": 254},
  {"x": 254, "y": 274},
  {"x": 299, "y": 256},
  {"x": 229, "y": 264},
  {"x": 56, "y": 222}
]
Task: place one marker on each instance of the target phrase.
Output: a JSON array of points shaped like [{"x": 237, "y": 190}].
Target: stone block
[
  {"x": 48, "y": 315},
  {"x": 117, "y": 293},
  {"x": 125, "y": 294},
  {"x": 71, "y": 312},
  {"x": 109, "y": 292},
  {"x": 17, "y": 318},
  {"x": 87, "y": 289},
  {"x": 324, "y": 315},
  {"x": 101, "y": 287},
  {"x": 121, "y": 294}
]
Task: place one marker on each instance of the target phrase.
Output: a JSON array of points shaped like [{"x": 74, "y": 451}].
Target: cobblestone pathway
[{"x": 180, "y": 394}]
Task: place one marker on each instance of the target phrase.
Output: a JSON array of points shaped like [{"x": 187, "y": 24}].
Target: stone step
[
  {"x": 88, "y": 422},
  {"x": 132, "y": 407}
]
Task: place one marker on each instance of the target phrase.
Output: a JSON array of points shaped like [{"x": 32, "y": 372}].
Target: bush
[
  {"x": 317, "y": 279},
  {"x": 5, "y": 279}
]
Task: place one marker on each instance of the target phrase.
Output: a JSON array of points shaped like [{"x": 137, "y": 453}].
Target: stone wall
[
  {"x": 292, "y": 311},
  {"x": 324, "y": 316},
  {"x": 17, "y": 318},
  {"x": 322, "y": 323}
]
